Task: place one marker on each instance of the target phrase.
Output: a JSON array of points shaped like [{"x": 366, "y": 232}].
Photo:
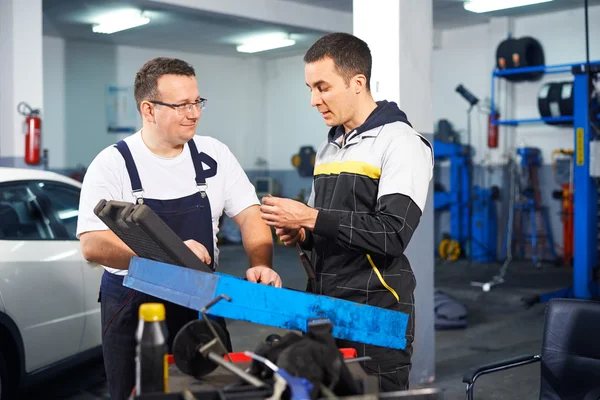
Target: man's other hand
[
  {"x": 264, "y": 275},
  {"x": 199, "y": 250},
  {"x": 287, "y": 213},
  {"x": 290, "y": 237}
]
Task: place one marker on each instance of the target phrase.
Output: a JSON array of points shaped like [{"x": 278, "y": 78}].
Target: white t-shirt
[{"x": 164, "y": 179}]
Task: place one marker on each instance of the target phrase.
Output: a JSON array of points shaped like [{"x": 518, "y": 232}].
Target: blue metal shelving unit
[{"x": 586, "y": 191}]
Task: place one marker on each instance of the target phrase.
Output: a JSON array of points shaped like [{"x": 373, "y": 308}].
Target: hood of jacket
[{"x": 385, "y": 113}]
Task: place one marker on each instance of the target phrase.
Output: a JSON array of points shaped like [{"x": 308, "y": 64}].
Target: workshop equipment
[
  {"x": 160, "y": 274},
  {"x": 304, "y": 161},
  {"x": 585, "y": 199},
  {"x": 308, "y": 268},
  {"x": 300, "y": 388},
  {"x": 313, "y": 356},
  {"x": 456, "y": 198},
  {"x": 277, "y": 307},
  {"x": 555, "y": 99},
  {"x": 484, "y": 225},
  {"x": 198, "y": 348},
  {"x": 529, "y": 211},
  {"x": 516, "y": 54},
  {"x": 147, "y": 234},
  {"x": 32, "y": 128},
  {"x": 472, "y": 208},
  {"x": 562, "y": 167}
]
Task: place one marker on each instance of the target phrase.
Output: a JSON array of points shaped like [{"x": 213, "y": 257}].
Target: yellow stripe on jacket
[{"x": 350, "y": 167}]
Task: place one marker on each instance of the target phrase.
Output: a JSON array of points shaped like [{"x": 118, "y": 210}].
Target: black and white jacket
[{"x": 370, "y": 187}]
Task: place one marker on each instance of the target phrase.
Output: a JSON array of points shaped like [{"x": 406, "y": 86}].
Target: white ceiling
[
  {"x": 172, "y": 28},
  {"x": 211, "y": 33},
  {"x": 450, "y": 13}
]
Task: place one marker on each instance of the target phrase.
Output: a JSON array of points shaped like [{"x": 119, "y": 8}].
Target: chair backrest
[{"x": 570, "y": 367}]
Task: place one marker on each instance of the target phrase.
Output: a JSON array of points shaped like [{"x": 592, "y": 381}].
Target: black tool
[
  {"x": 198, "y": 348},
  {"x": 308, "y": 267},
  {"x": 147, "y": 234}
]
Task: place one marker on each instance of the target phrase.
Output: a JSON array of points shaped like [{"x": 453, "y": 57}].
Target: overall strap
[
  {"x": 134, "y": 177},
  {"x": 201, "y": 173}
]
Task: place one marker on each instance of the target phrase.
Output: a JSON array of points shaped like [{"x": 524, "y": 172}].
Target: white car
[{"x": 49, "y": 310}]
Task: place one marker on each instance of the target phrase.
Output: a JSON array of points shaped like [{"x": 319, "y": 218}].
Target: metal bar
[
  {"x": 566, "y": 118},
  {"x": 267, "y": 305},
  {"x": 548, "y": 69},
  {"x": 586, "y": 193}
]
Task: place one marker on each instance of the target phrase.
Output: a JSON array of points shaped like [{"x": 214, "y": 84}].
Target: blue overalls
[{"x": 190, "y": 217}]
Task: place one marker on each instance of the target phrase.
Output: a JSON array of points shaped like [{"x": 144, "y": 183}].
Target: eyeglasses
[{"x": 184, "y": 108}]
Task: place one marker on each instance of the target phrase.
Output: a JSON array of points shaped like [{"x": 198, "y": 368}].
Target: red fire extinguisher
[
  {"x": 493, "y": 130},
  {"x": 32, "y": 128}
]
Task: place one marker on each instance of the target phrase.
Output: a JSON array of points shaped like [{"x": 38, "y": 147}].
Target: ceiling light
[
  {"x": 263, "y": 43},
  {"x": 119, "y": 21},
  {"x": 482, "y": 6}
]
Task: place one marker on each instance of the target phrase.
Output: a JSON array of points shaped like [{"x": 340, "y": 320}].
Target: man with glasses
[{"x": 189, "y": 181}]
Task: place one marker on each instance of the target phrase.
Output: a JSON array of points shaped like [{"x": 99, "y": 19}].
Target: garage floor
[{"x": 499, "y": 327}]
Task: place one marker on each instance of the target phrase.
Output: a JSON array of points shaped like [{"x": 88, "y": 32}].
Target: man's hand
[
  {"x": 287, "y": 213},
  {"x": 290, "y": 237},
  {"x": 199, "y": 250},
  {"x": 263, "y": 275}
]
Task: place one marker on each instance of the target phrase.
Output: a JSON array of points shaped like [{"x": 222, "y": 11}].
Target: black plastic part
[{"x": 187, "y": 344}]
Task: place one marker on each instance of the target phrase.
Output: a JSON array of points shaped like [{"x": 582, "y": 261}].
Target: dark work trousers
[
  {"x": 391, "y": 366},
  {"x": 190, "y": 218}
]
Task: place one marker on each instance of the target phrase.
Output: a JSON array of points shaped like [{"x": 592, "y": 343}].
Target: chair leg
[{"x": 470, "y": 390}]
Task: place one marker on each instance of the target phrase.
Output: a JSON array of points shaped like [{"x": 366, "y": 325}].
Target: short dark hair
[
  {"x": 350, "y": 55},
  {"x": 146, "y": 80}
]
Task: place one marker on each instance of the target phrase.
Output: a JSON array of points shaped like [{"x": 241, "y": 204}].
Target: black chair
[{"x": 570, "y": 358}]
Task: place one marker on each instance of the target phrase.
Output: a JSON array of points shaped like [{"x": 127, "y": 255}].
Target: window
[
  {"x": 20, "y": 216},
  {"x": 63, "y": 204}
]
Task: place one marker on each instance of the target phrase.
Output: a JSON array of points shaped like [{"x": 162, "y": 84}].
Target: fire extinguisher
[
  {"x": 493, "y": 130},
  {"x": 32, "y": 128}
]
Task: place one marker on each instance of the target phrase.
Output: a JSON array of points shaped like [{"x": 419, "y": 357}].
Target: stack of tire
[
  {"x": 555, "y": 99},
  {"x": 520, "y": 53}
]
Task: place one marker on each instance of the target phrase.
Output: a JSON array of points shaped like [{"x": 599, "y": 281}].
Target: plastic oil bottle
[{"x": 151, "y": 365}]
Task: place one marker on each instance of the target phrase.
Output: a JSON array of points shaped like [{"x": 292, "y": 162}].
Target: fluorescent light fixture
[
  {"x": 119, "y": 21},
  {"x": 263, "y": 43},
  {"x": 482, "y": 6}
]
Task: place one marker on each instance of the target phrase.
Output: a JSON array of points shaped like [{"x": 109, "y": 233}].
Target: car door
[
  {"x": 40, "y": 278},
  {"x": 63, "y": 205}
]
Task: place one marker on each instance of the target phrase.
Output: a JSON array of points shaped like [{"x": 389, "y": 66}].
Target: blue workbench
[{"x": 267, "y": 305}]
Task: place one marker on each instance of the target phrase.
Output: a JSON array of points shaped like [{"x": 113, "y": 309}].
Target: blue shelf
[{"x": 547, "y": 69}]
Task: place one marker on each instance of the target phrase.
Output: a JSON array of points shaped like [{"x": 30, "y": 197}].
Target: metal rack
[{"x": 586, "y": 193}]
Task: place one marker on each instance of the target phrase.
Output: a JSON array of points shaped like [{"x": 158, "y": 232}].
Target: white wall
[
  {"x": 259, "y": 108},
  {"x": 290, "y": 120},
  {"x": 77, "y": 73},
  {"x": 462, "y": 58},
  {"x": 54, "y": 111}
]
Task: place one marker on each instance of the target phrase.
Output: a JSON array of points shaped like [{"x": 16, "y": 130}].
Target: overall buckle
[
  {"x": 202, "y": 188},
  {"x": 138, "y": 195}
]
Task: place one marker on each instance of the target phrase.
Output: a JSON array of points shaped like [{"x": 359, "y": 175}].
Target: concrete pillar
[
  {"x": 21, "y": 73},
  {"x": 400, "y": 36}
]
